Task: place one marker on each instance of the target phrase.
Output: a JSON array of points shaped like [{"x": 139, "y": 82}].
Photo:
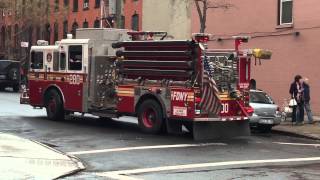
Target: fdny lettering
[{"x": 179, "y": 96}]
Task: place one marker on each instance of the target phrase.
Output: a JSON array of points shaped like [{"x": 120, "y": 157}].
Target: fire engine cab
[{"x": 166, "y": 84}]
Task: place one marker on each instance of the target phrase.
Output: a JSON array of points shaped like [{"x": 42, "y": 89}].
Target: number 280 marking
[
  {"x": 225, "y": 108},
  {"x": 74, "y": 79}
]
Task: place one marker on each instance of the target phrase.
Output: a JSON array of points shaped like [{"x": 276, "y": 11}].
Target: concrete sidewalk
[
  {"x": 25, "y": 159},
  {"x": 311, "y": 131}
]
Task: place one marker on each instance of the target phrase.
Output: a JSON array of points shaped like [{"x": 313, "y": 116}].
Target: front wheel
[
  {"x": 54, "y": 106},
  {"x": 150, "y": 117}
]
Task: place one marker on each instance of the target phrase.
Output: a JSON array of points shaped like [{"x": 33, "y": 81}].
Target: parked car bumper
[{"x": 260, "y": 120}]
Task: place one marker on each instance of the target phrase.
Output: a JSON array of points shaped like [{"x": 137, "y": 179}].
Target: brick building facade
[
  {"x": 289, "y": 28},
  {"x": 63, "y": 17}
]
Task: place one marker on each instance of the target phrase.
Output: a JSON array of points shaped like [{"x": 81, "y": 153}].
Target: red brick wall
[
  {"x": 291, "y": 54},
  {"x": 90, "y": 15},
  {"x": 132, "y": 7}
]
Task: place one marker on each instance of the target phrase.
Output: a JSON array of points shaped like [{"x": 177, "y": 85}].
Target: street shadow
[{"x": 125, "y": 130}]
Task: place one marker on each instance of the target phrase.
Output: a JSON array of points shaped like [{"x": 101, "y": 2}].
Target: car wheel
[
  {"x": 54, "y": 106},
  {"x": 150, "y": 117}
]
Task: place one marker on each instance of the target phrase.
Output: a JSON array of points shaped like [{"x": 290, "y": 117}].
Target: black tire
[
  {"x": 54, "y": 106},
  {"x": 150, "y": 117},
  {"x": 264, "y": 128},
  {"x": 13, "y": 74}
]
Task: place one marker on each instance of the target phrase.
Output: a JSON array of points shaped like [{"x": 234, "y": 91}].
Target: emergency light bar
[
  {"x": 42, "y": 43},
  {"x": 201, "y": 37}
]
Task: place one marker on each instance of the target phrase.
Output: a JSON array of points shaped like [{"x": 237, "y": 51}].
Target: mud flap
[
  {"x": 220, "y": 130},
  {"x": 173, "y": 127}
]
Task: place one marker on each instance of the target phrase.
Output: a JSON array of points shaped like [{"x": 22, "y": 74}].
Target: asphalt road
[{"x": 118, "y": 150}]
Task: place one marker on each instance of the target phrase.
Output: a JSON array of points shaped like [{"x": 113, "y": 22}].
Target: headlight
[{"x": 2, "y": 76}]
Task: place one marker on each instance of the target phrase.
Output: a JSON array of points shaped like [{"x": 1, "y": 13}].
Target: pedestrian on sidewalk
[
  {"x": 296, "y": 91},
  {"x": 306, "y": 94}
]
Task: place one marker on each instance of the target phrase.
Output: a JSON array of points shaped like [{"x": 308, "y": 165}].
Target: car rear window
[{"x": 260, "y": 97}]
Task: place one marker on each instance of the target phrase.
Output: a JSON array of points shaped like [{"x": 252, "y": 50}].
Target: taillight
[
  {"x": 249, "y": 110},
  {"x": 197, "y": 100}
]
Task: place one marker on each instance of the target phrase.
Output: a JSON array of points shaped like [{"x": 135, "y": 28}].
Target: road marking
[
  {"x": 297, "y": 144},
  {"x": 123, "y": 174},
  {"x": 145, "y": 147}
]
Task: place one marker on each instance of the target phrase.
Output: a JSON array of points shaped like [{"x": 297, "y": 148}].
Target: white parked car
[{"x": 266, "y": 112}]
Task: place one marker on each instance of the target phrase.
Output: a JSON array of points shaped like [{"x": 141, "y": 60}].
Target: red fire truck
[{"x": 166, "y": 84}]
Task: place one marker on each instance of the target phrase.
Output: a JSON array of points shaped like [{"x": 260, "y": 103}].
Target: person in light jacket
[{"x": 306, "y": 95}]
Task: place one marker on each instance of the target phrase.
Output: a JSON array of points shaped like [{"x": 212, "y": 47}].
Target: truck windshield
[{"x": 260, "y": 97}]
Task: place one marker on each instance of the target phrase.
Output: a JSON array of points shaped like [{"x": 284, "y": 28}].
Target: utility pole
[{"x": 101, "y": 12}]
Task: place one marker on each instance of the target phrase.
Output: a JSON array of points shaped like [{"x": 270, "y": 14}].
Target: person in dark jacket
[
  {"x": 296, "y": 91},
  {"x": 306, "y": 95}
]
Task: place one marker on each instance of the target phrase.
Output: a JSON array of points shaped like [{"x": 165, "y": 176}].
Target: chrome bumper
[{"x": 223, "y": 119}]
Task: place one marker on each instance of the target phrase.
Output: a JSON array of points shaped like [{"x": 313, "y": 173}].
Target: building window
[
  {"x": 65, "y": 28},
  {"x": 285, "y": 12},
  {"x": 85, "y": 4},
  {"x": 66, "y": 2},
  {"x": 56, "y": 5},
  {"x": 38, "y": 32},
  {"x": 96, "y": 24},
  {"x": 122, "y": 22},
  {"x": 3, "y": 36},
  {"x": 56, "y": 32},
  {"x": 97, "y": 4},
  {"x": 135, "y": 22},
  {"x": 85, "y": 24},
  {"x": 47, "y": 32},
  {"x": 16, "y": 36},
  {"x": 75, "y": 26},
  {"x": 9, "y": 32},
  {"x": 75, "y": 5}
]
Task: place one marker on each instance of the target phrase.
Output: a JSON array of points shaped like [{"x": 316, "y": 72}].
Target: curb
[
  {"x": 80, "y": 165},
  {"x": 75, "y": 159},
  {"x": 294, "y": 134}
]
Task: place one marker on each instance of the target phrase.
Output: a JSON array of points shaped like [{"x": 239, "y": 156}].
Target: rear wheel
[
  {"x": 150, "y": 117},
  {"x": 54, "y": 105}
]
